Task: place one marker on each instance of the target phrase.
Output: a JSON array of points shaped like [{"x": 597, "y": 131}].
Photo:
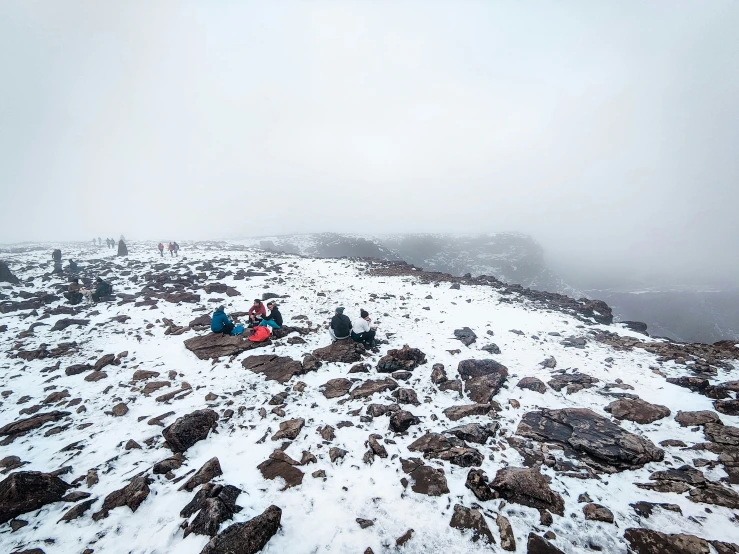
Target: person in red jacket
[
  {"x": 161, "y": 249},
  {"x": 256, "y": 313},
  {"x": 171, "y": 249}
]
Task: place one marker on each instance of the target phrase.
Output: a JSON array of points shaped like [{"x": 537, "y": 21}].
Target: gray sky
[{"x": 607, "y": 130}]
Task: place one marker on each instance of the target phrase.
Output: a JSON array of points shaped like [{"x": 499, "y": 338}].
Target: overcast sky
[{"x": 607, "y": 130}]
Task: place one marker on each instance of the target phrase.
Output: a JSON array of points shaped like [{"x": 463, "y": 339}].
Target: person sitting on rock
[
  {"x": 74, "y": 293},
  {"x": 256, "y": 313},
  {"x": 274, "y": 319},
  {"x": 361, "y": 330},
  {"x": 341, "y": 326},
  {"x": 102, "y": 289},
  {"x": 220, "y": 323},
  {"x": 73, "y": 267}
]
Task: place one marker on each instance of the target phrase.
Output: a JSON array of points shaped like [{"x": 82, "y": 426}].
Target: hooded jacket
[
  {"x": 275, "y": 316},
  {"x": 341, "y": 325},
  {"x": 219, "y": 321}
]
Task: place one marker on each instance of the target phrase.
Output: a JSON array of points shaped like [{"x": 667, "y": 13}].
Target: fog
[{"x": 608, "y": 131}]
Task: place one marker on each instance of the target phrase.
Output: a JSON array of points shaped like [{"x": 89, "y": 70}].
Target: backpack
[{"x": 260, "y": 334}]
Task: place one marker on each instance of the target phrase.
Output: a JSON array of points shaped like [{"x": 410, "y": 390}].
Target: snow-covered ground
[{"x": 319, "y": 516}]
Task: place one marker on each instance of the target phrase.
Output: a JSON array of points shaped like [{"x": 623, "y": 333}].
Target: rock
[
  {"x": 404, "y": 359},
  {"x": 318, "y": 474},
  {"x": 646, "y": 541},
  {"x": 471, "y": 518},
  {"x": 507, "y": 538},
  {"x": 672, "y": 443},
  {"x": 728, "y": 407},
  {"x": 532, "y": 383},
  {"x": 685, "y": 474},
  {"x": 289, "y": 429},
  {"x": 274, "y": 368},
  {"x": 95, "y": 376},
  {"x": 478, "y": 483},
  {"x": 482, "y": 378},
  {"x": 327, "y": 432},
  {"x": 549, "y": 363},
  {"x": 271, "y": 469},
  {"x": 23, "y": 426},
  {"x": 573, "y": 381},
  {"x": 370, "y": 387},
  {"x": 638, "y": 411},
  {"x": 143, "y": 375},
  {"x": 665, "y": 486},
  {"x": 377, "y": 410},
  {"x": 405, "y": 537},
  {"x": 474, "y": 432},
  {"x": 364, "y": 523},
  {"x": 76, "y": 369},
  {"x": 713, "y": 493},
  {"x": 343, "y": 351},
  {"x": 718, "y": 433},
  {"x": 360, "y": 368},
  {"x": 465, "y": 335},
  {"x": 434, "y": 445},
  {"x": 104, "y": 361},
  {"x": 63, "y": 323},
  {"x": 645, "y": 509},
  {"x": 214, "y": 505},
  {"x": 406, "y": 396},
  {"x": 307, "y": 458},
  {"x": 55, "y": 397},
  {"x": 6, "y": 276},
  {"x": 132, "y": 495},
  {"x": 153, "y": 386},
  {"x": 455, "y": 385},
  {"x": 604, "y": 444},
  {"x": 528, "y": 487},
  {"x": 168, "y": 464},
  {"x": 200, "y": 323},
  {"x": 26, "y": 491},
  {"x": 189, "y": 429},
  {"x": 77, "y": 511},
  {"x": 217, "y": 345},
  {"x": 376, "y": 447},
  {"x": 246, "y": 538},
  {"x": 336, "y": 387},
  {"x": 426, "y": 479},
  {"x": 491, "y": 348},
  {"x": 539, "y": 545},
  {"x": 335, "y": 453},
  {"x": 119, "y": 409},
  {"x": 401, "y": 375},
  {"x": 596, "y": 512},
  {"x": 280, "y": 455},
  {"x": 209, "y": 470},
  {"x": 401, "y": 420},
  {"x": 456, "y": 413},
  {"x": 438, "y": 374},
  {"x": 694, "y": 419}
]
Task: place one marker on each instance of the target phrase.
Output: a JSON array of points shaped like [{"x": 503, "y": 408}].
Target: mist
[{"x": 607, "y": 131}]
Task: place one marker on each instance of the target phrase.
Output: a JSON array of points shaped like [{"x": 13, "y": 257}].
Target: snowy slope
[{"x": 319, "y": 515}]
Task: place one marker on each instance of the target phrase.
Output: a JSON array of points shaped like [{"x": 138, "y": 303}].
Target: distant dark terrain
[{"x": 689, "y": 314}]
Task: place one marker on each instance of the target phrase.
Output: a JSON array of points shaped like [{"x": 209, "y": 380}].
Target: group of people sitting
[
  {"x": 260, "y": 322},
  {"x": 359, "y": 330},
  {"x": 76, "y": 292}
]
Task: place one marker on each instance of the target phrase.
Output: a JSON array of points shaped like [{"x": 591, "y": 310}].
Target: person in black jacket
[
  {"x": 274, "y": 319},
  {"x": 341, "y": 326}
]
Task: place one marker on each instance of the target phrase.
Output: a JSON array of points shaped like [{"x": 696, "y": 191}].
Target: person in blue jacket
[{"x": 220, "y": 323}]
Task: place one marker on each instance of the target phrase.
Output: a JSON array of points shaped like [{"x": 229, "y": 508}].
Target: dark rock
[
  {"x": 55, "y": 397},
  {"x": 647, "y": 541},
  {"x": 507, "y": 538},
  {"x": 274, "y": 368},
  {"x": 665, "y": 486},
  {"x": 549, "y": 363},
  {"x": 458, "y": 412},
  {"x": 289, "y": 429},
  {"x": 638, "y": 411},
  {"x": 271, "y": 469},
  {"x": 168, "y": 464},
  {"x": 76, "y": 369},
  {"x": 246, "y": 538},
  {"x": 482, "y": 378},
  {"x": 360, "y": 368},
  {"x": 438, "y": 374},
  {"x": 471, "y": 518},
  {"x": 370, "y": 387},
  {"x": 104, "y": 361},
  {"x": 573, "y": 381},
  {"x": 189, "y": 429},
  {"x": 119, "y": 409},
  {"x": 63, "y": 323},
  {"x": 406, "y": 396},
  {"x": 336, "y": 387},
  {"x": 451, "y": 449},
  {"x": 695, "y": 419},
  {"x": 404, "y": 359},
  {"x": 539, "y": 545},
  {"x": 645, "y": 509},
  {"x": 343, "y": 351},
  {"x": 714, "y": 493},
  {"x": 607, "y": 445},
  {"x": 401, "y": 375},
  {"x": 596, "y": 512},
  {"x": 364, "y": 523},
  {"x": 95, "y": 376},
  {"x": 475, "y": 432},
  {"x": 401, "y": 420},
  {"x": 377, "y": 410},
  {"x": 25, "y": 491},
  {"x": 405, "y": 537},
  {"x": 478, "y": 483},
  {"x": 132, "y": 495},
  {"x": 6, "y": 276},
  {"x": 217, "y": 345},
  {"x": 214, "y": 505},
  {"x": 728, "y": 407},
  {"x": 528, "y": 487},
  {"x": 209, "y": 470},
  {"x": 376, "y": 447},
  {"x": 672, "y": 443},
  {"x": 77, "y": 511},
  {"x": 335, "y": 453},
  {"x": 327, "y": 432},
  {"x": 685, "y": 474},
  {"x": 719, "y": 433},
  {"x": 23, "y": 426},
  {"x": 491, "y": 348},
  {"x": 466, "y": 335},
  {"x": 455, "y": 385},
  {"x": 532, "y": 383}
]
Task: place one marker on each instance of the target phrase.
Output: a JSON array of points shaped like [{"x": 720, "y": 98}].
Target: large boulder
[
  {"x": 274, "y": 368},
  {"x": 6, "y": 276},
  {"x": 426, "y": 479},
  {"x": 23, "y": 426},
  {"x": 466, "y": 335},
  {"x": 473, "y": 520},
  {"x": 274, "y": 468},
  {"x": 344, "y": 351},
  {"x": 482, "y": 378},
  {"x": 404, "y": 359},
  {"x": 637, "y": 410},
  {"x": 333, "y": 388},
  {"x": 451, "y": 449},
  {"x": 25, "y": 491},
  {"x": 573, "y": 381},
  {"x": 248, "y": 537},
  {"x": 528, "y": 487},
  {"x": 214, "y": 504},
  {"x": 189, "y": 429},
  {"x": 217, "y": 345},
  {"x": 696, "y": 419},
  {"x": 132, "y": 495},
  {"x": 604, "y": 444},
  {"x": 372, "y": 386},
  {"x": 647, "y": 541},
  {"x": 540, "y": 545},
  {"x": 532, "y": 383}
]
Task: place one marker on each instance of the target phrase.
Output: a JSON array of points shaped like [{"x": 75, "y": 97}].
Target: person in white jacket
[{"x": 361, "y": 330}]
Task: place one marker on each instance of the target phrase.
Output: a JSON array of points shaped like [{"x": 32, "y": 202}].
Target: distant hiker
[
  {"x": 171, "y": 249},
  {"x": 102, "y": 289},
  {"x": 57, "y": 257},
  {"x": 361, "y": 330},
  {"x": 112, "y": 243},
  {"x": 122, "y": 250},
  {"x": 274, "y": 319},
  {"x": 220, "y": 323},
  {"x": 100, "y": 241},
  {"x": 74, "y": 294},
  {"x": 176, "y": 248},
  {"x": 73, "y": 267},
  {"x": 256, "y": 313},
  {"x": 161, "y": 249},
  {"x": 340, "y": 327}
]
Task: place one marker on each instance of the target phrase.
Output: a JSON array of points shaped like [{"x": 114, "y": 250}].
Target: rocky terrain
[{"x": 490, "y": 417}]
